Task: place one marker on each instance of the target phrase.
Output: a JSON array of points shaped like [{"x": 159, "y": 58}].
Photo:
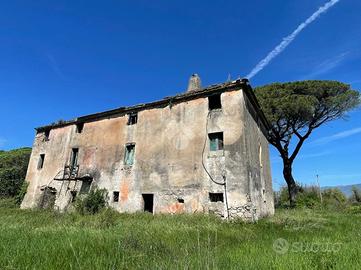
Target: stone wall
[{"x": 172, "y": 158}]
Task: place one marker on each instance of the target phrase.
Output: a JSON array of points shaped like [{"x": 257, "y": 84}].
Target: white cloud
[
  {"x": 328, "y": 65},
  {"x": 337, "y": 136},
  {"x": 287, "y": 40}
]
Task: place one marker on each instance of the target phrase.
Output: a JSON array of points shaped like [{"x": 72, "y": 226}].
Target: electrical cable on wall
[{"x": 210, "y": 176}]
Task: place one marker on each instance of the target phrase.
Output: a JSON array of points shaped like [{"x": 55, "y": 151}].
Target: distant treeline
[
  {"x": 312, "y": 197},
  {"x": 13, "y": 167}
]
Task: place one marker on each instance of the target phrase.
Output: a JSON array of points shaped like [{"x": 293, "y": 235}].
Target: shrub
[
  {"x": 333, "y": 198},
  {"x": 92, "y": 202},
  {"x": 21, "y": 194},
  {"x": 356, "y": 195},
  {"x": 354, "y": 209},
  {"x": 308, "y": 197}
]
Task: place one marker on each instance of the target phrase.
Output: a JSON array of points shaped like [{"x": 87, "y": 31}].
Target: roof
[{"x": 167, "y": 101}]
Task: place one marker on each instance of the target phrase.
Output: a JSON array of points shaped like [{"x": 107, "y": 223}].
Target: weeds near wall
[{"x": 92, "y": 202}]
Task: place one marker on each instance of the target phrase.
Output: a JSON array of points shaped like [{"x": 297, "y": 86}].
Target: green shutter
[
  {"x": 213, "y": 144},
  {"x": 129, "y": 155}
]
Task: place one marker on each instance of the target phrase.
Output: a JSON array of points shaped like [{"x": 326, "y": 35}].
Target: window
[
  {"x": 216, "y": 197},
  {"x": 85, "y": 187},
  {"x": 132, "y": 118},
  {"x": 129, "y": 154},
  {"x": 46, "y": 135},
  {"x": 115, "y": 196},
  {"x": 79, "y": 127},
  {"x": 74, "y": 157},
  {"x": 41, "y": 161},
  {"x": 215, "y": 141},
  {"x": 214, "y": 102}
]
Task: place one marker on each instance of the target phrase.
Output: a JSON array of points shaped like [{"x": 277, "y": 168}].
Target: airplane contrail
[{"x": 287, "y": 40}]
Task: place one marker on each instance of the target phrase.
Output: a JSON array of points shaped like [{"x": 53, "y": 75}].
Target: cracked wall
[{"x": 169, "y": 145}]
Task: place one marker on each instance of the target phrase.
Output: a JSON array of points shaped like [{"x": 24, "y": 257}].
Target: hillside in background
[
  {"x": 347, "y": 189},
  {"x": 13, "y": 167}
]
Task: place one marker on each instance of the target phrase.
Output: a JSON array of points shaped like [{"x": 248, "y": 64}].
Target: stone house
[{"x": 204, "y": 150}]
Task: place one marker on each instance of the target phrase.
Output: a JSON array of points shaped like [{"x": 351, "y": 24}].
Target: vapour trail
[{"x": 287, "y": 40}]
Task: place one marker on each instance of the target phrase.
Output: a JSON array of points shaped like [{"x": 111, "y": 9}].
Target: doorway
[{"x": 148, "y": 202}]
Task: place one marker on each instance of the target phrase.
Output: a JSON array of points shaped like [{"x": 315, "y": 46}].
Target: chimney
[{"x": 194, "y": 83}]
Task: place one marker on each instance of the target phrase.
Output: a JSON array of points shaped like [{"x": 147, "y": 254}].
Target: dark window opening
[
  {"x": 132, "y": 118},
  {"x": 129, "y": 154},
  {"x": 41, "y": 161},
  {"x": 73, "y": 195},
  {"x": 115, "y": 196},
  {"x": 79, "y": 127},
  {"x": 74, "y": 157},
  {"x": 148, "y": 200},
  {"x": 46, "y": 135},
  {"x": 180, "y": 200},
  {"x": 215, "y": 141},
  {"x": 85, "y": 187},
  {"x": 216, "y": 197},
  {"x": 214, "y": 102}
]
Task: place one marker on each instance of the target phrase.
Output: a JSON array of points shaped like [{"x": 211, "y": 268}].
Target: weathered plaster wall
[{"x": 169, "y": 145}]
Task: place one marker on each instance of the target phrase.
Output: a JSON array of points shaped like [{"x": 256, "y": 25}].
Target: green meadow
[{"x": 292, "y": 239}]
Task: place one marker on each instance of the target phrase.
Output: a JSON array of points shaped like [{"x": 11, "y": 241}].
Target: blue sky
[{"x": 62, "y": 59}]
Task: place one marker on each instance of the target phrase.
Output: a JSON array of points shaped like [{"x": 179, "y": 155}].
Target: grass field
[{"x": 292, "y": 239}]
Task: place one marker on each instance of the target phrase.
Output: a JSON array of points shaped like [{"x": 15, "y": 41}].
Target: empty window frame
[
  {"x": 129, "y": 154},
  {"x": 132, "y": 118},
  {"x": 115, "y": 196},
  {"x": 46, "y": 135},
  {"x": 215, "y": 141},
  {"x": 216, "y": 197},
  {"x": 85, "y": 187},
  {"x": 74, "y": 157},
  {"x": 214, "y": 102},
  {"x": 41, "y": 161},
  {"x": 79, "y": 127}
]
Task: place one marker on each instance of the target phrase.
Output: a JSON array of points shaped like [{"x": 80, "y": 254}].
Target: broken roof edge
[{"x": 222, "y": 87}]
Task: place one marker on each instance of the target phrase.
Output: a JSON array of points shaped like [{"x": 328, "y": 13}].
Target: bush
[
  {"x": 307, "y": 197},
  {"x": 333, "y": 198},
  {"x": 354, "y": 209},
  {"x": 356, "y": 195},
  {"x": 92, "y": 202},
  {"x": 21, "y": 194}
]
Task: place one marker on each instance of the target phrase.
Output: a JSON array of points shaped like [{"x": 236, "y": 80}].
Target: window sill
[
  {"x": 215, "y": 154},
  {"x": 215, "y": 110}
]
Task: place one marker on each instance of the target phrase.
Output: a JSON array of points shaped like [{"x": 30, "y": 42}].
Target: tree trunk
[{"x": 291, "y": 184}]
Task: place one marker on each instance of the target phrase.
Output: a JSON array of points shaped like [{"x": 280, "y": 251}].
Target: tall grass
[{"x": 109, "y": 240}]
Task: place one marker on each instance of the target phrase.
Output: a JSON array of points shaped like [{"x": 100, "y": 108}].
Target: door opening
[{"x": 148, "y": 200}]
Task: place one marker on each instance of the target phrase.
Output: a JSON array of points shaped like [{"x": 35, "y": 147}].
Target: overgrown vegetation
[
  {"x": 93, "y": 202},
  {"x": 312, "y": 198},
  {"x": 13, "y": 166},
  {"x": 316, "y": 239}
]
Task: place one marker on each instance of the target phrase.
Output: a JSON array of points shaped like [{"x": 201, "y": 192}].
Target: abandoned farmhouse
[{"x": 204, "y": 150}]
